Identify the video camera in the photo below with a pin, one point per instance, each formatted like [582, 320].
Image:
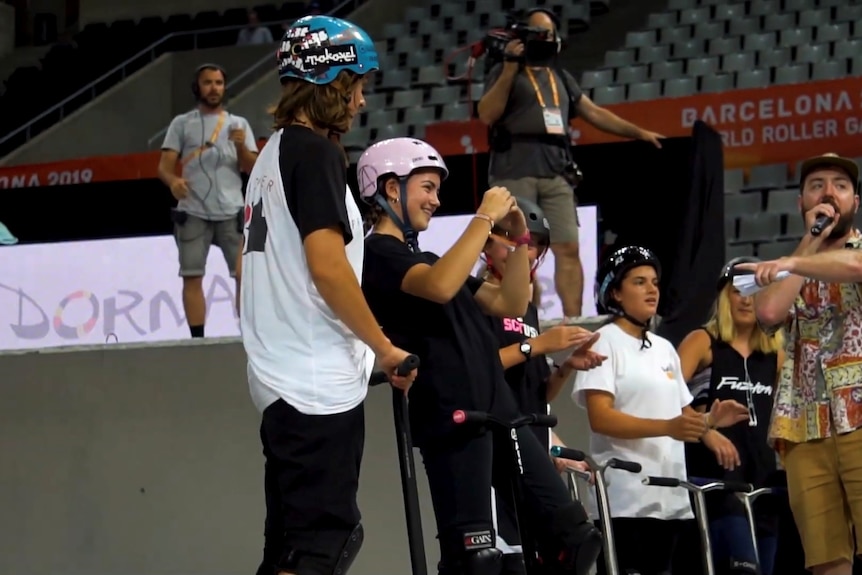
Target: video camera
[516, 28]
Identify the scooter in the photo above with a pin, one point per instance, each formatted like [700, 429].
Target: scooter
[510, 427]
[409, 489]
[748, 500]
[601, 486]
[698, 487]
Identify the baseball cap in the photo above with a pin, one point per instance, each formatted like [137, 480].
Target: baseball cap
[830, 160]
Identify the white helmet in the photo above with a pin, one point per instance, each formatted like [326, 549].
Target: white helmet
[399, 157]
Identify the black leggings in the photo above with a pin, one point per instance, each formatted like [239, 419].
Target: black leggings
[461, 470]
[644, 545]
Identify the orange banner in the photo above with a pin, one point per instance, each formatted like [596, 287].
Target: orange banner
[84, 170]
[81, 171]
[762, 126]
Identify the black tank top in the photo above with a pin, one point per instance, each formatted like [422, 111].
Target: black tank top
[750, 381]
[528, 380]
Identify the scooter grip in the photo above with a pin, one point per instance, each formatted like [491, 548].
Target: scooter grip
[461, 416]
[630, 466]
[568, 453]
[661, 481]
[544, 420]
[738, 486]
[410, 363]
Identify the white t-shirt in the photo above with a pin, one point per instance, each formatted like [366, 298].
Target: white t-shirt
[645, 383]
[297, 348]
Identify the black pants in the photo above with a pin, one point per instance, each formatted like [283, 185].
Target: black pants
[311, 478]
[645, 546]
[461, 469]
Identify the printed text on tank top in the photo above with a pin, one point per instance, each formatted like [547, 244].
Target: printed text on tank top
[517, 325]
[746, 386]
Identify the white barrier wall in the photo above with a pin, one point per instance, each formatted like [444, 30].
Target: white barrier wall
[145, 460]
[83, 293]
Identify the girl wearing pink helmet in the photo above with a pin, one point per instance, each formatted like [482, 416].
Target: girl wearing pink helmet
[433, 306]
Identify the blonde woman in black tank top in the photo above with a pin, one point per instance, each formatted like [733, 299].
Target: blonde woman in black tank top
[732, 358]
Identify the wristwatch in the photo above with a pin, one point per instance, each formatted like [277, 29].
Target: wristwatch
[526, 349]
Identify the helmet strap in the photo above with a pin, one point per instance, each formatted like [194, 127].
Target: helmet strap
[402, 221]
[645, 341]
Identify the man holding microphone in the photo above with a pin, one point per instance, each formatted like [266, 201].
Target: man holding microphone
[212, 147]
[817, 416]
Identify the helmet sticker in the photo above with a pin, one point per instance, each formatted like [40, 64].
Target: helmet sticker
[307, 52]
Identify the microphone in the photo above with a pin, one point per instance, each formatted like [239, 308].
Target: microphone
[821, 223]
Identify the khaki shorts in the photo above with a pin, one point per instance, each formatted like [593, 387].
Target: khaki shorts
[824, 481]
[194, 238]
[556, 197]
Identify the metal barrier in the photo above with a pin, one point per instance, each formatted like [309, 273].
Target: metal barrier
[91, 90]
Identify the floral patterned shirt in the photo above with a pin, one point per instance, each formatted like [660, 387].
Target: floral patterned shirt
[819, 390]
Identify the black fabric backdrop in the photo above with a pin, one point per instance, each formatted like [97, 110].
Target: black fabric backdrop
[699, 241]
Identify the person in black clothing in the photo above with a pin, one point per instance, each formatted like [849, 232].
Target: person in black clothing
[434, 303]
[732, 358]
[528, 373]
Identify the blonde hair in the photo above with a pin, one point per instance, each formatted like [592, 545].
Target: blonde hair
[722, 327]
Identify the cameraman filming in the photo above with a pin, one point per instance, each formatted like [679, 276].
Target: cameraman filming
[528, 102]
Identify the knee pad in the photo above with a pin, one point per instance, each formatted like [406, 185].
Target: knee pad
[578, 542]
[487, 561]
[325, 554]
[350, 550]
[513, 564]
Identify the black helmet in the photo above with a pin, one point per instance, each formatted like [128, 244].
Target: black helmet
[537, 223]
[614, 268]
[727, 273]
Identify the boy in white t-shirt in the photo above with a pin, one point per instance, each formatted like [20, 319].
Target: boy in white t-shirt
[639, 410]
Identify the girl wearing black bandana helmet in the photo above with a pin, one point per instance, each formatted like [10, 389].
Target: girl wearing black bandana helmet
[523, 350]
[639, 409]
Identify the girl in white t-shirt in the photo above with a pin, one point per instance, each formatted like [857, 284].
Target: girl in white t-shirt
[638, 406]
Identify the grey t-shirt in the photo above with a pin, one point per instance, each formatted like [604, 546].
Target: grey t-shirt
[215, 184]
[523, 116]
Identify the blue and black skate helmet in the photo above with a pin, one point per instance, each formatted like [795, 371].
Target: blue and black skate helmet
[316, 48]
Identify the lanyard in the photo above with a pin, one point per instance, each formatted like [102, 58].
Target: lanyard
[213, 137]
[538, 90]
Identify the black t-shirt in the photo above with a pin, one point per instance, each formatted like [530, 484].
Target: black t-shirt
[528, 380]
[314, 178]
[460, 363]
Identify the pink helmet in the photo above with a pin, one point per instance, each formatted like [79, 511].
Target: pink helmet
[399, 157]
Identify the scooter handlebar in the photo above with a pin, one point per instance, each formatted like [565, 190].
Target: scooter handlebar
[730, 485]
[698, 484]
[630, 466]
[462, 416]
[410, 363]
[568, 453]
[661, 481]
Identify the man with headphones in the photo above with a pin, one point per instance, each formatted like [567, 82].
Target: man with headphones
[211, 147]
[528, 103]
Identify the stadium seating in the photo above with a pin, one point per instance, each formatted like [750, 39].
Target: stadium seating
[717, 46]
[99, 48]
[423, 77]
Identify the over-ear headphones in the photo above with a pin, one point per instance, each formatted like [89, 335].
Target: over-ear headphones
[550, 14]
[196, 86]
